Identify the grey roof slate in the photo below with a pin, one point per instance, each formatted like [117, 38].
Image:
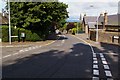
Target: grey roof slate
[91, 25]
[90, 19]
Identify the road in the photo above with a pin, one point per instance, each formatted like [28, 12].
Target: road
[67, 57]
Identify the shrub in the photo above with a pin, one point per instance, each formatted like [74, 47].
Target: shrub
[30, 36]
[74, 30]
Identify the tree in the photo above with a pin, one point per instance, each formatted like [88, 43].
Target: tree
[39, 17]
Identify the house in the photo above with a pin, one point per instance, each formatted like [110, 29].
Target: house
[112, 22]
[4, 20]
[88, 22]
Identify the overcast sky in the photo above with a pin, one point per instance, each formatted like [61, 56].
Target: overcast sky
[90, 7]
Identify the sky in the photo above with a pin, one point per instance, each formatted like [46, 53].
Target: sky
[88, 7]
[2, 5]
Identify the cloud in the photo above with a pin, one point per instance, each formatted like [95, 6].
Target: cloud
[91, 8]
[89, 0]
[2, 5]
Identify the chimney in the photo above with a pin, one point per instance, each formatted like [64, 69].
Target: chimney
[3, 12]
[105, 20]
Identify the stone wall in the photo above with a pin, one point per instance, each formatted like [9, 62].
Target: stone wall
[103, 36]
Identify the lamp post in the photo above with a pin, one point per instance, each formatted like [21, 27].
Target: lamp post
[97, 30]
[9, 22]
[97, 27]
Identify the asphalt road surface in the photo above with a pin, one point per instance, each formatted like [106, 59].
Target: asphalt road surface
[67, 57]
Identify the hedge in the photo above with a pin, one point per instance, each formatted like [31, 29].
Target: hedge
[30, 36]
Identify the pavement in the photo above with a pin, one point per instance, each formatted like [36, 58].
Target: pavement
[71, 56]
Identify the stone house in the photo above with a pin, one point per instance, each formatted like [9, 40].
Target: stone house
[88, 20]
[4, 19]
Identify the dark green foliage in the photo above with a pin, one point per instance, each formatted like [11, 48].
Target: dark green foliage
[5, 34]
[30, 36]
[38, 16]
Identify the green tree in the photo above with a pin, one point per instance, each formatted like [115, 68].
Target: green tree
[40, 17]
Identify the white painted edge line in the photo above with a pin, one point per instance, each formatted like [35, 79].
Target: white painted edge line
[7, 56]
[108, 73]
[26, 49]
[86, 42]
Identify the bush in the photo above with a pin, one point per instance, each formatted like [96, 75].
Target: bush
[5, 33]
[30, 36]
[74, 30]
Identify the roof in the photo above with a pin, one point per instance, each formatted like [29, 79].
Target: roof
[113, 19]
[3, 19]
[90, 19]
[101, 20]
[91, 25]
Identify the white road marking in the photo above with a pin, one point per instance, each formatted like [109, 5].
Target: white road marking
[106, 67]
[63, 41]
[101, 55]
[15, 53]
[95, 66]
[7, 56]
[94, 55]
[94, 58]
[76, 54]
[103, 59]
[21, 51]
[95, 72]
[26, 49]
[95, 78]
[108, 73]
[86, 43]
[109, 79]
[104, 62]
[95, 62]
[29, 48]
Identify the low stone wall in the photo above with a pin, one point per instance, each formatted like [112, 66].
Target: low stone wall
[103, 36]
